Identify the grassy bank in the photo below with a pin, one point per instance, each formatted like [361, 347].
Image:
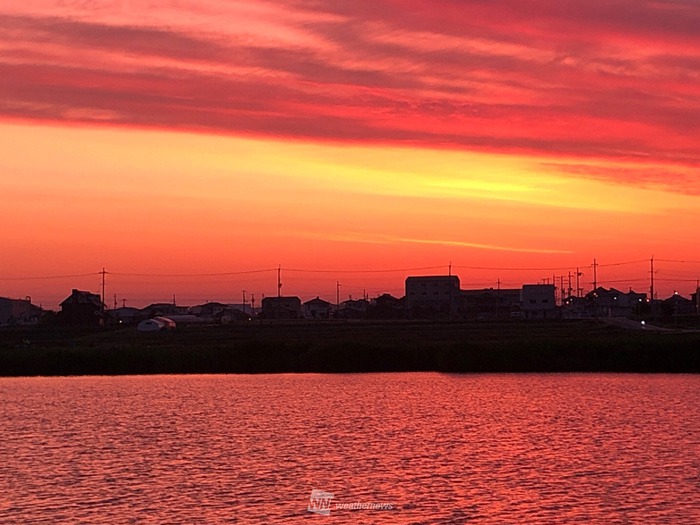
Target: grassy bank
[258, 347]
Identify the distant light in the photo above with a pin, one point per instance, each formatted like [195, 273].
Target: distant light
[643, 323]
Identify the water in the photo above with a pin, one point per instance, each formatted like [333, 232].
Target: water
[437, 448]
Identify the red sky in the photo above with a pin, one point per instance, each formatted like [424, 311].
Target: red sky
[216, 137]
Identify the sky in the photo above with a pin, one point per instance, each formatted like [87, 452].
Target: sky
[193, 147]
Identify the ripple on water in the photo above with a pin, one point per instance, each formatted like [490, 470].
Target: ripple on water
[438, 448]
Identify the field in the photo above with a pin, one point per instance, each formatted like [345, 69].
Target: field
[345, 347]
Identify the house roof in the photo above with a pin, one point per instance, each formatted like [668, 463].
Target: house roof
[82, 297]
[125, 310]
[317, 301]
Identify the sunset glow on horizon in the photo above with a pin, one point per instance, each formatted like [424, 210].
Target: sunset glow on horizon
[352, 142]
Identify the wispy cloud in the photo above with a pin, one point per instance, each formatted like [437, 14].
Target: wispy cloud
[366, 238]
[596, 79]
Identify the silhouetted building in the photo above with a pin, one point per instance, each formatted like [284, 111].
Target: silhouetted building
[18, 312]
[126, 315]
[433, 296]
[316, 309]
[386, 306]
[603, 302]
[352, 309]
[537, 301]
[677, 305]
[231, 315]
[163, 310]
[281, 308]
[209, 311]
[82, 308]
[490, 303]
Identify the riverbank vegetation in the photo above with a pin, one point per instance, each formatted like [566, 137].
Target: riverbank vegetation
[347, 347]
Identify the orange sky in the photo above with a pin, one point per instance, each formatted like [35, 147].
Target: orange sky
[227, 137]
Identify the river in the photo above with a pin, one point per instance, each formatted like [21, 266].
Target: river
[404, 448]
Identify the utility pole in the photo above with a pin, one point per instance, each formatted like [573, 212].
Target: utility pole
[651, 273]
[244, 301]
[279, 281]
[449, 269]
[115, 301]
[595, 274]
[337, 295]
[252, 305]
[103, 272]
[561, 289]
[569, 289]
[578, 284]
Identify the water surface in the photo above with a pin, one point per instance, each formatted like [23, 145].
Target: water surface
[451, 449]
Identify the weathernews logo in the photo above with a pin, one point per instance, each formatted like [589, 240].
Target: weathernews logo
[320, 503]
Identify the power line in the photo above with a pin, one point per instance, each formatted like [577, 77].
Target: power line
[46, 277]
[393, 270]
[222, 274]
[505, 269]
[678, 261]
[641, 279]
[336, 271]
[678, 280]
[624, 263]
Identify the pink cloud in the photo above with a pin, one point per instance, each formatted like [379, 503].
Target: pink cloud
[595, 79]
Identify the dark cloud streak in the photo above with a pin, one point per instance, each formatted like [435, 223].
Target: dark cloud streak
[524, 76]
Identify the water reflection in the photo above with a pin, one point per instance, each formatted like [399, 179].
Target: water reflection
[439, 448]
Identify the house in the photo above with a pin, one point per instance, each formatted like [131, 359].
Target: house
[247, 308]
[230, 315]
[489, 303]
[436, 296]
[162, 309]
[18, 312]
[82, 308]
[537, 301]
[210, 311]
[386, 306]
[678, 305]
[611, 302]
[126, 315]
[281, 308]
[352, 309]
[316, 309]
